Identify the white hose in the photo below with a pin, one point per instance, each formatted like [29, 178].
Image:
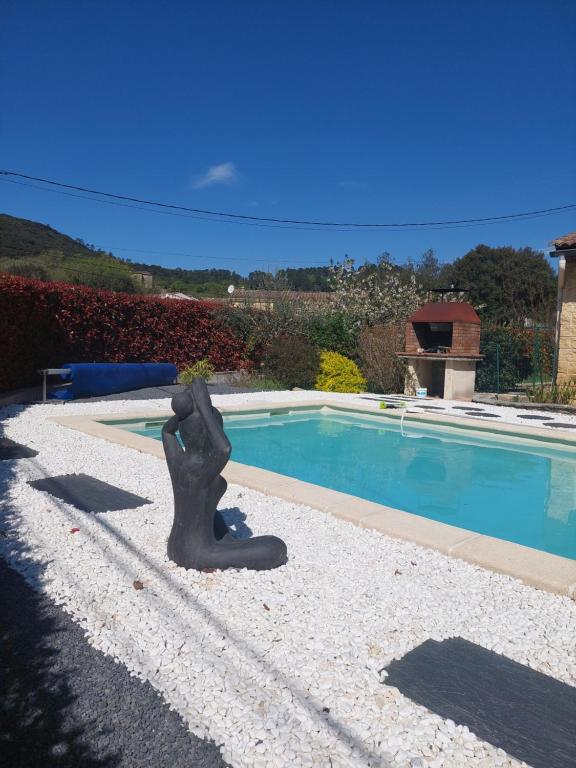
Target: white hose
[412, 437]
[404, 412]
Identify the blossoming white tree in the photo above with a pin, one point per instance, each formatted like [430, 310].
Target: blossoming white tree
[373, 294]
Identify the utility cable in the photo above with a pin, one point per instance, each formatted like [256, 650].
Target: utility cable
[222, 215]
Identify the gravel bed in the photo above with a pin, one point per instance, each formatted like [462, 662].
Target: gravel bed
[279, 668]
[65, 704]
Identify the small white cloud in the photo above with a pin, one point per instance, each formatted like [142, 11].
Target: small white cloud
[253, 203]
[224, 173]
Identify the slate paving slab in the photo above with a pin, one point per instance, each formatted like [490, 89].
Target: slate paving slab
[528, 714]
[467, 408]
[88, 493]
[9, 450]
[534, 416]
[430, 407]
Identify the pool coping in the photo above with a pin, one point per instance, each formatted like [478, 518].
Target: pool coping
[534, 567]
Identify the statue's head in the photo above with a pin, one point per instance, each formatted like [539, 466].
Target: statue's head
[183, 403]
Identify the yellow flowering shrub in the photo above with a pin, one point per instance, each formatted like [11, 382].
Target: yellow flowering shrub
[339, 374]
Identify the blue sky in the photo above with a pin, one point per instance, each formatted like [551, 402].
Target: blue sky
[356, 111]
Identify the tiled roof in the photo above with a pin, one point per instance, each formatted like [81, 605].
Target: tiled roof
[566, 241]
[445, 312]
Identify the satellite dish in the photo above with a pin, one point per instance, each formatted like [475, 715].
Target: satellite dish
[231, 289]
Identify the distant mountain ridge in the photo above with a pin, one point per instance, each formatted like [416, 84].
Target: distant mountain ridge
[32, 249]
[24, 239]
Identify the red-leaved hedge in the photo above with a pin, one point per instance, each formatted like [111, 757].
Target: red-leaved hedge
[43, 325]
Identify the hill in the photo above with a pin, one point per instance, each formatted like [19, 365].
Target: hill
[31, 249]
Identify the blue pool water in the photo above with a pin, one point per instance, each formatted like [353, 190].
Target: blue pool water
[522, 491]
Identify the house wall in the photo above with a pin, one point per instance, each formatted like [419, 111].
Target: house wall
[567, 340]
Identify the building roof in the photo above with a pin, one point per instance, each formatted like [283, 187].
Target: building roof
[566, 241]
[185, 296]
[445, 312]
[270, 295]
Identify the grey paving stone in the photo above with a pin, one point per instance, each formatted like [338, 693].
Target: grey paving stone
[467, 408]
[533, 416]
[529, 715]
[430, 407]
[88, 493]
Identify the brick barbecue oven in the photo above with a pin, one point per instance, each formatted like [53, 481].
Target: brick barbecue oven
[442, 348]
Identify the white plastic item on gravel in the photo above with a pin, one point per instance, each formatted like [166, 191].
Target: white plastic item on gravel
[280, 668]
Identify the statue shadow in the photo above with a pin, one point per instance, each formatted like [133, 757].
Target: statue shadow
[235, 520]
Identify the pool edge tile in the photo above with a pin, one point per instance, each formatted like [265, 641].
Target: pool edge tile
[408, 527]
[534, 567]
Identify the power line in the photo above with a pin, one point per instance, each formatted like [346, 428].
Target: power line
[109, 249]
[220, 215]
[234, 222]
[167, 213]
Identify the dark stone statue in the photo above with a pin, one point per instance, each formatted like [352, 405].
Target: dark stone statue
[199, 537]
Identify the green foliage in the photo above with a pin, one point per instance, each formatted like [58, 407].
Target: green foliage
[195, 282]
[339, 374]
[98, 270]
[291, 360]
[263, 383]
[561, 394]
[30, 269]
[332, 331]
[427, 271]
[300, 279]
[506, 285]
[201, 369]
[307, 278]
[503, 347]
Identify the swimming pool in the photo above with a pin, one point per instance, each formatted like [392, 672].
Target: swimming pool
[520, 490]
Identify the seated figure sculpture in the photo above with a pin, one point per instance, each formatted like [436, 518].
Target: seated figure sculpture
[199, 537]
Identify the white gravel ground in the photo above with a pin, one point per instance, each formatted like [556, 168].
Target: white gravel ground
[280, 668]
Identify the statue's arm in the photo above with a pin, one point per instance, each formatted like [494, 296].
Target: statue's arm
[221, 448]
[170, 442]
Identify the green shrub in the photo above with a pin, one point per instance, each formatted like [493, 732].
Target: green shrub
[332, 331]
[339, 374]
[506, 362]
[560, 394]
[291, 360]
[202, 369]
[262, 383]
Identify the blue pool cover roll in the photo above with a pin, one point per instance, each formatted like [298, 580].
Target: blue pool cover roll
[92, 379]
